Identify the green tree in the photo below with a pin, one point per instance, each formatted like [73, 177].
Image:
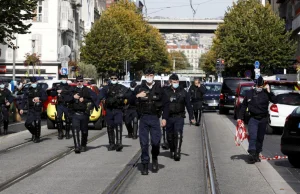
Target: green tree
[253, 32]
[181, 62]
[121, 34]
[87, 70]
[13, 13]
[207, 61]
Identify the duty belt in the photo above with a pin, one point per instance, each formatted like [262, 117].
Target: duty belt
[176, 115]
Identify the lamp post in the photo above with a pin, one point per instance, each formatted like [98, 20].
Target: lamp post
[33, 46]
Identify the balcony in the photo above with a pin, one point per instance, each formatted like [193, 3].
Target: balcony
[67, 25]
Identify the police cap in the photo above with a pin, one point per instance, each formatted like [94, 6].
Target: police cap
[149, 71]
[113, 73]
[174, 77]
[33, 79]
[133, 84]
[260, 81]
[79, 77]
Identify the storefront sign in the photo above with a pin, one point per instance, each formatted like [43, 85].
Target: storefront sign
[2, 68]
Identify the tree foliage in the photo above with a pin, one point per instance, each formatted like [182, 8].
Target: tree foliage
[87, 70]
[181, 62]
[207, 61]
[252, 32]
[122, 34]
[13, 13]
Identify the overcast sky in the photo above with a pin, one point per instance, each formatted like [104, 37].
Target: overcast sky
[182, 8]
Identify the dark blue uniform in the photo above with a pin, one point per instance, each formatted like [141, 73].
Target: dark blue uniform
[114, 95]
[131, 117]
[196, 94]
[34, 111]
[81, 114]
[179, 100]
[257, 103]
[64, 102]
[150, 109]
[5, 96]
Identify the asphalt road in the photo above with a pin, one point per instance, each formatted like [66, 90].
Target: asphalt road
[271, 149]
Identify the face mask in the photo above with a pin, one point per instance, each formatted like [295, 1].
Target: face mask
[149, 80]
[1, 86]
[132, 89]
[63, 81]
[175, 85]
[259, 89]
[33, 85]
[80, 86]
[113, 81]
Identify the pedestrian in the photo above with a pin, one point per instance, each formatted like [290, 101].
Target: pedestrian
[256, 101]
[114, 95]
[34, 97]
[130, 114]
[152, 102]
[6, 99]
[179, 100]
[165, 144]
[64, 95]
[196, 92]
[83, 101]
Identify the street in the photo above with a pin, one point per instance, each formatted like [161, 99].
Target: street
[51, 166]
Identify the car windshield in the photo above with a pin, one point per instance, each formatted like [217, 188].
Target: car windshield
[213, 89]
[244, 89]
[281, 87]
[231, 84]
[289, 99]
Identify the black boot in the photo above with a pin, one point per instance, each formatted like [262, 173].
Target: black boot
[178, 143]
[68, 126]
[252, 156]
[111, 138]
[31, 129]
[5, 127]
[257, 159]
[76, 139]
[170, 139]
[145, 169]
[59, 128]
[196, 115]
[119, 145]
[38, 131]
[84, 137]
[165, 144]
[154, 164]
[129, 129]
[135, 128]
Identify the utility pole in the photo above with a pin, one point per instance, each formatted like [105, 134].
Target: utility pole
[174, 62]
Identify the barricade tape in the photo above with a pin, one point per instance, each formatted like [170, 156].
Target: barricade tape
[273, 158]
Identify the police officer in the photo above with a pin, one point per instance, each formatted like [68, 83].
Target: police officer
[83, 101]
[196, 92]
[131, 116]
[115, 95]
[64, 93]
[165, 144]
[257, 102]
[6, 99]
[34, 96]
[151, 102]
[179, 100]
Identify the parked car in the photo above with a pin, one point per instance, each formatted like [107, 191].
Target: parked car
[212, 96]
[228, 93]
[287, 102]
[96, 120]
[278, 86]
[290, 139]
[241, 90]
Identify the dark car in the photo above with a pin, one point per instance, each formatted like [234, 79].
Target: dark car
[212, 95]
[228, 93]
[241, 90]
[290, 139]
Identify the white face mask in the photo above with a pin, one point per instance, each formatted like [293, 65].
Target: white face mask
[149, 80]
[63, 81]
[80, 86]
[33, 85]
[2, 86]
[113, 81]
[132, 89]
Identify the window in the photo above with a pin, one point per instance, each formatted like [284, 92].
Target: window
[41, 11]
[39, 14]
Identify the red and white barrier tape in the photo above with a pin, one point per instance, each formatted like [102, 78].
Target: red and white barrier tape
[273, 158]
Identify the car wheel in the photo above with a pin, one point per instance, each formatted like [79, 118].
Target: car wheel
[294, 160]
[269, 129]
[98, 124]
[50, 124]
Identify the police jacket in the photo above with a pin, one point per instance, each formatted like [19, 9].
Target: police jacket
[155, 102]
[66, 95]
[257, 103]
[114, 95]
[5, 95]
[131, 101]
[88, 102]
[179, 99]
[30, 94]
[197, 93]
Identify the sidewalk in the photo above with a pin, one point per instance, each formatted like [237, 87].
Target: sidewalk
[234, 175]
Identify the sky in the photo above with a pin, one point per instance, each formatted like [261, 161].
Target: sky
[182, 9]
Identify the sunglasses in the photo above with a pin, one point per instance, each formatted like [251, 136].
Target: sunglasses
[113, 78]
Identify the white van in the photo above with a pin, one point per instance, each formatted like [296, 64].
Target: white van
[164, 81]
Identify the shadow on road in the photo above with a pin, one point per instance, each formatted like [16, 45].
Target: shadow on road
[140, 166]
[240, 157]
[167, 154]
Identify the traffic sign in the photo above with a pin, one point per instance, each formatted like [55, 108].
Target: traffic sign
[256, 64]
[248, 73]
[64, 71]
[64, 64]
[257, 73]
[64, 51]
